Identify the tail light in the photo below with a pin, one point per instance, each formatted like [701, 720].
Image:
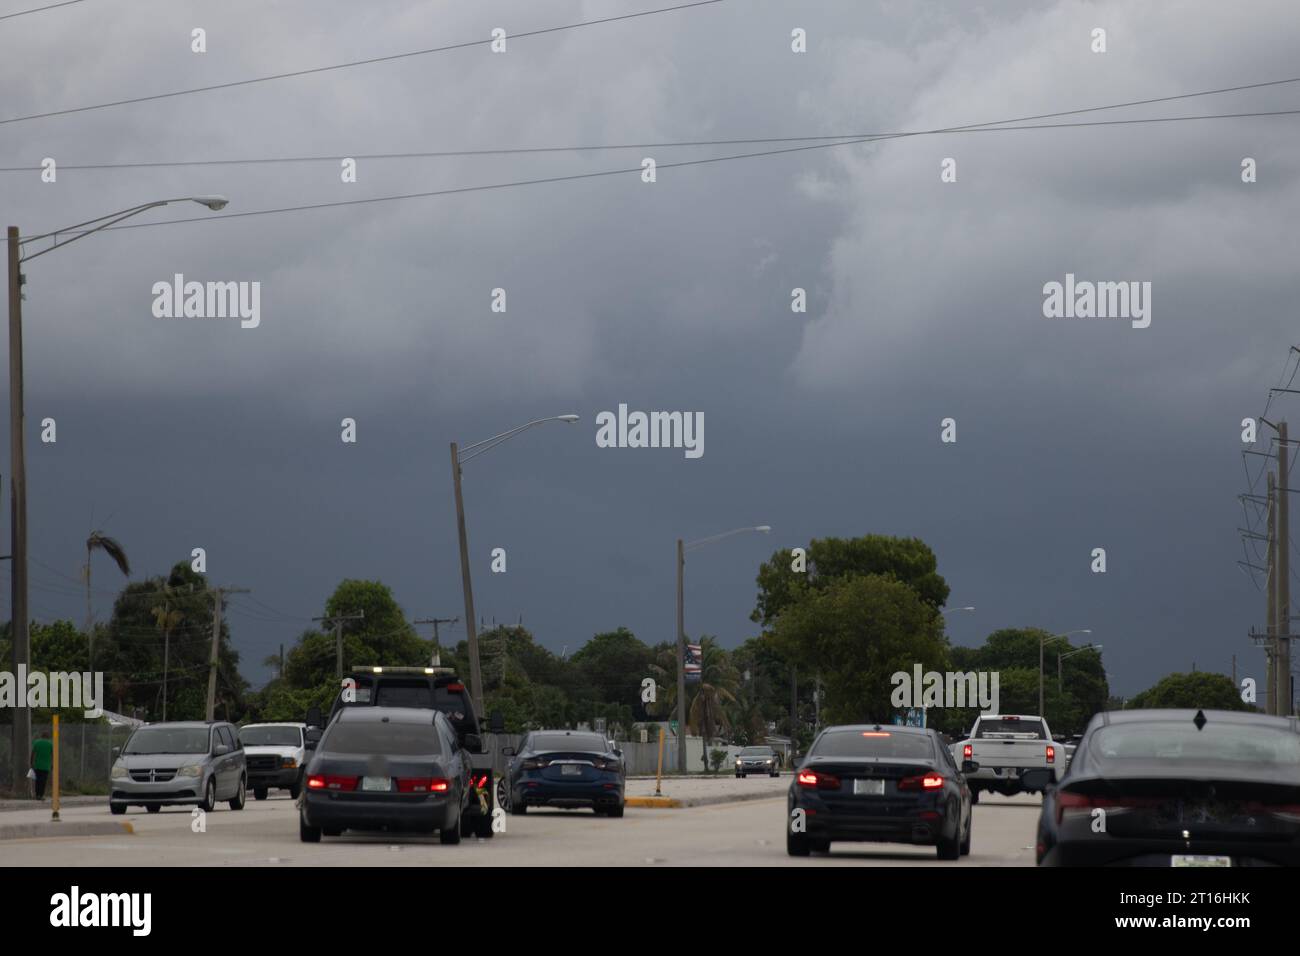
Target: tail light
[1082, 803]
[610, 764]
[967, 752]
[457, 688]
[813, 780]
[481, 782]
[536, 763]
[930, 781]
[422, 785]
[319, 781]
[1051, 754]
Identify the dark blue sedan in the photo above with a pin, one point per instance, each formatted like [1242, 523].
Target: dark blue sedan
[566, 768]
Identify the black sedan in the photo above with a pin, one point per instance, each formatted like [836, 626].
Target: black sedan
[883, 784]
[385, 768]
[1177, 788]
[566, 768]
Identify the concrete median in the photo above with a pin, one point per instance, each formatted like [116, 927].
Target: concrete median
[64, 828]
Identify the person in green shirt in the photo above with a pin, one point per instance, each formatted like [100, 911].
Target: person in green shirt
[42, 761]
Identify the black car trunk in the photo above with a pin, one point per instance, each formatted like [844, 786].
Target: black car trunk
[870, 783]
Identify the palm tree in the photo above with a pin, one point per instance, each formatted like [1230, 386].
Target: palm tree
[98, 541]
[707, 713]
[167, 619]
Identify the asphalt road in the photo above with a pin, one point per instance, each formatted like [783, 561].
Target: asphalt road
[749, 833]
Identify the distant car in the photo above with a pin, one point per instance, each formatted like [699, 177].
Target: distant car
[275, 755]
[1177, 788]
[884, 784]
[386, 768]
[566, 768]
[758, 760]
[179, 763]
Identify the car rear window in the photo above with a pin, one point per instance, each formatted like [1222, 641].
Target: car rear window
[583, 743]
[878, 743]
[1003, 728]
[377, 737]
[1167, 743]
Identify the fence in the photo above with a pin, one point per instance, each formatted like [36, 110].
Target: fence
[85, 754]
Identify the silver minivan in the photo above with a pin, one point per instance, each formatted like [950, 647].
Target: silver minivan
[183, 762]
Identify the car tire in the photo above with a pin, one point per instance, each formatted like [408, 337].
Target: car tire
[240, 797]
[950, 849]
[307, 834]
[209, 802]
[776, 773]
[154, 807]
[974, 796]
[965, 844]
[117, 809]
[294, 791]
[259, 793]
[737, 776]
[614, 811]
[450, 836]
[518, 809]
[796, 844]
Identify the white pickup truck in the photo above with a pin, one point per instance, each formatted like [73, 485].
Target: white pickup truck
[1005, 746]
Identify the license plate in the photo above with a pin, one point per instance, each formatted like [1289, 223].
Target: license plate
[570, 770]
[376, 783]
[869, 788]
[1189, 860]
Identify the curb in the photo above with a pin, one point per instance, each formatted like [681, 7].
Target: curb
[78, 800]
[30, 831]
[673, 803]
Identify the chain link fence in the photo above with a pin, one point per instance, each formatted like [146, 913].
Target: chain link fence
[85, 755]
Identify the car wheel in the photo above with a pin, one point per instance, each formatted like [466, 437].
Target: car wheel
[240, 796]
[450, 836]
[307, 834]
[614, 811]
[503, 793]
[209, 797]
[154, 807]
[518, 809]
[950, 849]
[117, 809]
[259, 793]
[796, 844]
[965, 844]
[974, 796]
[737, 776]
[776, 773]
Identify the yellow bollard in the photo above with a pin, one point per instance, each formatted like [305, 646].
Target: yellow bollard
[54, 770]
[659, 774]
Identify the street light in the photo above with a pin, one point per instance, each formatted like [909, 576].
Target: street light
[954, 610]
[1060, 684]
[458, 459]
[1042, 642]
[681, 633]
[22, 648]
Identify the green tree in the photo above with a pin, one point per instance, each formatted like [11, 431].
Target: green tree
[855, 633]
[1200, 690]
[612, 666]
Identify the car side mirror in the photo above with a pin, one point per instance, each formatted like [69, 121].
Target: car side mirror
[969, 766]
[497, 723]
[617, 752]
[508, 751]
[220, 750]
[473, 743]
[311, 738]
[117, 752]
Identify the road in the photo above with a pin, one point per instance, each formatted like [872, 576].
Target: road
[749, 834]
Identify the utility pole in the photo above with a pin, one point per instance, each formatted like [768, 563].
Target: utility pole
[219, 595]
[280, 673]
[794, 706]
[681, 663]
[471, 634]
[436, 659]
[337, 623]
[22, 648]
[1283, 544]
[1270, 617]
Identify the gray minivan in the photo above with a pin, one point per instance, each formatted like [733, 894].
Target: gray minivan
[182, 762]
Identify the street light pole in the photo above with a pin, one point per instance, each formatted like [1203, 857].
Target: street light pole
[1042, 643]
[19, 620]
[458, 458]
[681, 632]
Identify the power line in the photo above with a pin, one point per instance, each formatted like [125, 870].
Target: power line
[52, 6]
[354, 63]
[456, 190]
[611, 147]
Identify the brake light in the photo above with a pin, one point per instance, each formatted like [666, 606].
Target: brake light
[1051, 754]
[967, 752]
[818, 781]
[1065, 800]
[930, 781]
[328, 782]
[536, 763]
[456, 688]
[422, 785]
[875, 733]
[481, 782]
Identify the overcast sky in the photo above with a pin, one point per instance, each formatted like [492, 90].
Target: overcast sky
[925, 301]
